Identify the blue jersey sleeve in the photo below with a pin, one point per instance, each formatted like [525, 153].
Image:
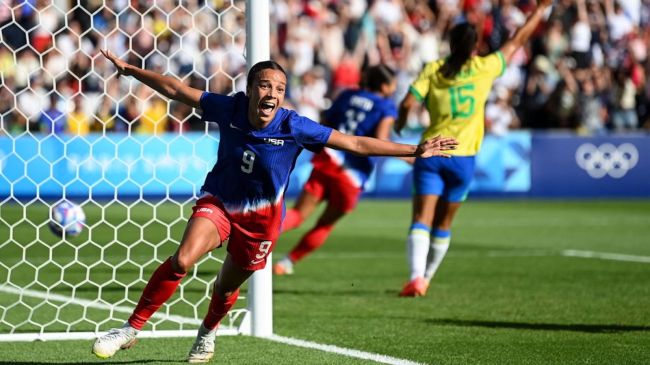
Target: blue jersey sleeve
[216, 107]
[390, 109]
[309, 134]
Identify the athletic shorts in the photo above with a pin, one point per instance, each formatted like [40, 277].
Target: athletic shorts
[248, 252]
[448, 178]
[337, 189]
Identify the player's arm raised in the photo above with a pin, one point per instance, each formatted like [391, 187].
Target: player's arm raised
[522, 34]
[168, 86]
[367, 146]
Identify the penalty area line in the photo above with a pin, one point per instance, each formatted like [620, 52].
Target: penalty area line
[382, 359]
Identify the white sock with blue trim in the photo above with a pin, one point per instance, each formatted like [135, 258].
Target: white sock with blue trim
[439, 245]
[417, 248]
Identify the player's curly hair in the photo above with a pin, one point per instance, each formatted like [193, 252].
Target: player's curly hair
[462, 41]
[262, 65]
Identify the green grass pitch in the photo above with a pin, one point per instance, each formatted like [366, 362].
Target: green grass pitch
[505, 294]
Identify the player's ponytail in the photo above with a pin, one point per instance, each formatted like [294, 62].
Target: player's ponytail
[375, 76]
[462, 40]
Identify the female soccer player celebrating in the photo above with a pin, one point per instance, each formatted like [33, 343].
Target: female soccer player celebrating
[340, 177]
[455, 90]
[242, 199]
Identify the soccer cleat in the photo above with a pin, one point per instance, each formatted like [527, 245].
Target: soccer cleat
[203, 348]
[283, 267]
[116, 339]
[415, 288]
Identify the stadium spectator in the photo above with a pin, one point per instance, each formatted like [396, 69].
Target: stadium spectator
[78, 121]
[500, 116]
[104, 116]
[623, 102]
[405, 34]
[16, 24]
[309, 94]
[455, 90]
[53, 120]
[619, 23]
[183, 120]
[540, 85]
[32, 101]
[127, 116]
[347, 73]
[561, 104]
[154, 117]
[28, 65]
[581, 37]
[593, 111]
[339, 178]
[242, 196]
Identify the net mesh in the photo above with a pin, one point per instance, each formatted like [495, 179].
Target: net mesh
[70, 129]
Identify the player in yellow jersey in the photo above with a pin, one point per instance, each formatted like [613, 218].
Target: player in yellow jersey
[455, 90]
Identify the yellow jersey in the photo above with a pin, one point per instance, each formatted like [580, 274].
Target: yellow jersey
[78, 123]
[154, 119]
[457, 106]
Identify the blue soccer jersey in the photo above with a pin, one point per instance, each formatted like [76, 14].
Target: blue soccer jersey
[358, 113]
[253, 166]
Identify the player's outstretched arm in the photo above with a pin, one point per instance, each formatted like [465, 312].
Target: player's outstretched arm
[522, 34]
[166, 85]
[367, 146]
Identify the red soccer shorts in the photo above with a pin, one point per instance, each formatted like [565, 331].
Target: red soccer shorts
[248, 252]
[336, 188]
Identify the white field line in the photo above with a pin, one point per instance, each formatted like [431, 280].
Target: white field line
[606, 256]
[491, 254]
[85, 336]
[461, 254]
[382, 359]
[90, 303]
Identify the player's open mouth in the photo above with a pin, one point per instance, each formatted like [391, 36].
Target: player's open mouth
[267, 108]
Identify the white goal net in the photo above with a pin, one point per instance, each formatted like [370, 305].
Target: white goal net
[71, 130]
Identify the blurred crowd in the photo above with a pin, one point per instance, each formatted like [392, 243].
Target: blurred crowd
[585, 69]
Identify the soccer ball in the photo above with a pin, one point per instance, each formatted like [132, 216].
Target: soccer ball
[67, 217]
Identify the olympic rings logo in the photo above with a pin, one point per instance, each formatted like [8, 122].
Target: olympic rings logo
[607, 159]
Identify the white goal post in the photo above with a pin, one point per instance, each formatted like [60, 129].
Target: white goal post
[135, 185]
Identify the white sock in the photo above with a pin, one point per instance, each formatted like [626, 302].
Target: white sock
[286, 261]
[417, 247]
[127, 325]
[439, 247]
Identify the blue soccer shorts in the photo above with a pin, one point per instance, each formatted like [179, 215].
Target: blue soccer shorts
[448, 178]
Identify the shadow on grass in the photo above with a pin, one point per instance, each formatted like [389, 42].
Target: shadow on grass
[589, 328]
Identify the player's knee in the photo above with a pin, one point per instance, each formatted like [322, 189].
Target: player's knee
[182, 263]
